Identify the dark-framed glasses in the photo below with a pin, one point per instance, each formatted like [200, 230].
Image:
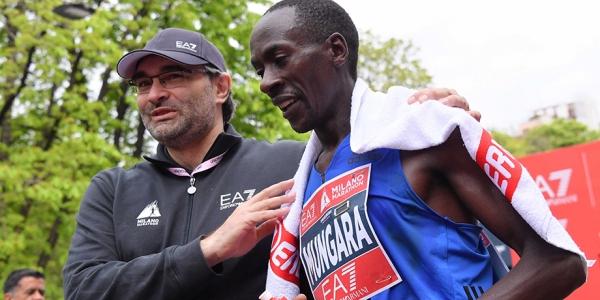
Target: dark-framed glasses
[169, 80]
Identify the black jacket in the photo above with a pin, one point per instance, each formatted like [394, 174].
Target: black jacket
[138, 230]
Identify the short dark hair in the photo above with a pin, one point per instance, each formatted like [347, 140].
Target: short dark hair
[15, 276]
[321, 18]
[228, 107]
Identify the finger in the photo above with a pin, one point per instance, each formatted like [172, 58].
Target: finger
[436, 94]
[264, 218]
[416, 96]
[412, 99]
[271, 203]
[272, 191]
[300, 297]
[420, 96]
[266, 228]
[431, 94]
[475, 114]
[456, 101]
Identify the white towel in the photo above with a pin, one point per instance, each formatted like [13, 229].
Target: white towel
[381, 120]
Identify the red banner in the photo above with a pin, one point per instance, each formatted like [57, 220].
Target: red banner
[569, 178]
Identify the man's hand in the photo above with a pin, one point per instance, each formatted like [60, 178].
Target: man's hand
[240, 232]
[447, 97]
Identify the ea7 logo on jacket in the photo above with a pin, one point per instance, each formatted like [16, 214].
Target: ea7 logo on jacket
[185, 45]
[149, 216]
[235, 199]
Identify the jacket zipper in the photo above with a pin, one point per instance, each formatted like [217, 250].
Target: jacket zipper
[191, 191]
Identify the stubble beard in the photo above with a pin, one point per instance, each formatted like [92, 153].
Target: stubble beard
[196, 117]
[305, 123]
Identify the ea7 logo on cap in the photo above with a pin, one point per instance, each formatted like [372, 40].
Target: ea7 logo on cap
[185, 45]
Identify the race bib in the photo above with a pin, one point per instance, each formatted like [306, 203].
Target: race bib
[342, 256]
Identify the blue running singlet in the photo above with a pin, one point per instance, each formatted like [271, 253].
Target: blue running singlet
[435, 257]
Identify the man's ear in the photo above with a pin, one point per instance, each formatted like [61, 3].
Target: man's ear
[339, 49]
[223, 84]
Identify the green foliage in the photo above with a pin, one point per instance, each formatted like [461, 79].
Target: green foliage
[560, 133]
[65, 114]
[515, 146]
[386, 63]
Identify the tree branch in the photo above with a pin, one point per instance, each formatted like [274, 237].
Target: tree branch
[122, 108]
[139, 144]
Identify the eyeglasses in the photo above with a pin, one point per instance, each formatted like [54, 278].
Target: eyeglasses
[169, 80]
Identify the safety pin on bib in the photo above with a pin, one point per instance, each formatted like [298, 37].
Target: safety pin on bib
[345, 206]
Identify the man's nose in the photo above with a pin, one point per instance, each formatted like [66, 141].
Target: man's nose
[270, 82]
[157, 91]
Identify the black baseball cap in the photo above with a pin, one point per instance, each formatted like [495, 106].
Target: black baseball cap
[183, 46]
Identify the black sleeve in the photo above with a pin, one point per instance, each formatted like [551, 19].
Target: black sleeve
[94, 269]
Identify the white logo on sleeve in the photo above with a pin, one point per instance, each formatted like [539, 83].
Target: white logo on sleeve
[150, 214]
[186, 45]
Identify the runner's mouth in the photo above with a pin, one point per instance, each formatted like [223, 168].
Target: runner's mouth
[286, 105]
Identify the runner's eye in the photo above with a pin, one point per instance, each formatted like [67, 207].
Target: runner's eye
[280, 60]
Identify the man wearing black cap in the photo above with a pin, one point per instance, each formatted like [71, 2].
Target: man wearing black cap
[145, 233]
[184, 224]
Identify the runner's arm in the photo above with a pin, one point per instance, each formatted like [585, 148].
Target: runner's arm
[544, 271]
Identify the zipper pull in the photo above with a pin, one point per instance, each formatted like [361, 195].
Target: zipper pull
[192, 189]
